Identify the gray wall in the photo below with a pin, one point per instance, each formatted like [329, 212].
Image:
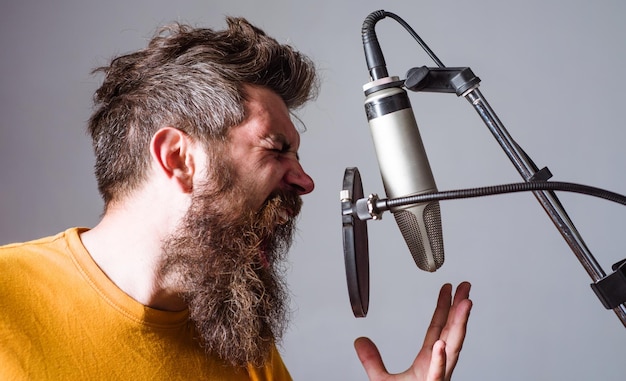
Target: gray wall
[547, 68]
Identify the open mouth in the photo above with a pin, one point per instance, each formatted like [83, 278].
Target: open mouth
[280, 218]
[276, 221]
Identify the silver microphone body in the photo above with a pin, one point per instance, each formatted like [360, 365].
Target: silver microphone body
[405, 169]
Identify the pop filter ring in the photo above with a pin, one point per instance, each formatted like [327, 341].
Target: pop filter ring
[355, 244]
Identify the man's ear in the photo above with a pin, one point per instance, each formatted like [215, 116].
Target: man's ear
[173, 153]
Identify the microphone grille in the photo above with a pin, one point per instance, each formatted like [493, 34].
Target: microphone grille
[429, 255]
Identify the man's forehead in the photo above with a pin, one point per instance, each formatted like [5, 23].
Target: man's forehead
[271, 116]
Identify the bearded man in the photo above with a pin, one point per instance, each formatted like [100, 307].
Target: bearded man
[197, 163]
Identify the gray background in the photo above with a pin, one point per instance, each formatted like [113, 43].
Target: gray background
[550, 69]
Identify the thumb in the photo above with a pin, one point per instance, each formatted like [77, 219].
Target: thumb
[370, 358]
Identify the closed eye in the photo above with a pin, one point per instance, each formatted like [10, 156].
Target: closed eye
[280, 145]
[284, 149]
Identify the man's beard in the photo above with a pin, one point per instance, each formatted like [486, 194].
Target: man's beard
[227, 261]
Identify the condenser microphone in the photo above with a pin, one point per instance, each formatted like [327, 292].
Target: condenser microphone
[402, 160]
[405, 169]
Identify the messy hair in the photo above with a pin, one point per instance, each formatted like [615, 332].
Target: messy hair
[190, 78]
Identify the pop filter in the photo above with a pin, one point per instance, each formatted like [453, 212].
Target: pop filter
[355, 244]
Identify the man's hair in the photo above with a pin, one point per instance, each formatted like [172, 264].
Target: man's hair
[190, 78]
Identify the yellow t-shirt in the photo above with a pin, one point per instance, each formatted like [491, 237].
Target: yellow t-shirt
[61, 318]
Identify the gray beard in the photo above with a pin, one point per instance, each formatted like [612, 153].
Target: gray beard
[229, 268]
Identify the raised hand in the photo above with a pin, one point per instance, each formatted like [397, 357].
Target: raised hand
[441, 347]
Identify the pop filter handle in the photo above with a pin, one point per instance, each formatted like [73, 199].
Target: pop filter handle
[611, 289]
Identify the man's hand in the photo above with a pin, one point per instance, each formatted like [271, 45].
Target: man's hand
[442, 344]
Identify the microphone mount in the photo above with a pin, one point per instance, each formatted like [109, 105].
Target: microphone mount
[611, 289]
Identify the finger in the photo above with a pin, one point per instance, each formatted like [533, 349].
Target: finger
[462, 292]
[456, 338]
[440, 316]
[458, 313]
[370, 358]
[437, 368]
[457, 325]
[455, 331]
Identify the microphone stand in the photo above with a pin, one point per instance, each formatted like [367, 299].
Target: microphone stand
[611, 289]
[547, 199]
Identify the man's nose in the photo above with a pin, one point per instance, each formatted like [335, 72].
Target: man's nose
[298, 180]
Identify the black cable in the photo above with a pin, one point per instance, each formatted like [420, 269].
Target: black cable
[417, 38]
